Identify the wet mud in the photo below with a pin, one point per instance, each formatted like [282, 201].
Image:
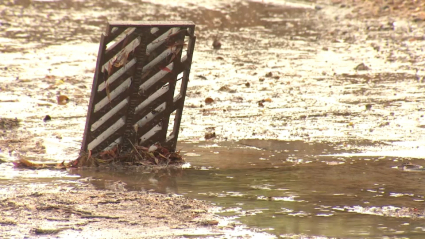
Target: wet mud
[329, 92]
[79, 210]
[283, 72]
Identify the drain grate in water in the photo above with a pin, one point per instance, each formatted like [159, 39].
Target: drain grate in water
[140, 84]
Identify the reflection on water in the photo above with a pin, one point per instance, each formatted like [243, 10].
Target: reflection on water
[292, 192]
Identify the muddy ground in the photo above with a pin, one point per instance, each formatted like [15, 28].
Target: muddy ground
[344, 72]
[81, 211]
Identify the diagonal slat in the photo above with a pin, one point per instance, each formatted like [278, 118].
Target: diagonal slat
[135, 79]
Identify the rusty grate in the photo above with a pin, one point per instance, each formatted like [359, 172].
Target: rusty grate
[139, 85]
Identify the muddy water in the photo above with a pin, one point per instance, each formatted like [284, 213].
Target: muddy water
[296, 191]
[299, 62]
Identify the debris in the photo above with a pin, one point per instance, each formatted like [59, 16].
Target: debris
[210, 135]
[361, 67]
[47, 118]
[42, 231]
[22, 162]
[238, 99]
[216, 44]
[209, 222]
[152, 148]
[59, 82]
[368, 106]
[261, 102]
[154, 155]
[202, 77]
[5, 221]
[410, 167]
[384, 124]
[227, 89]
[7, 123]
[62, 99]
[209, 100]
[224, 88]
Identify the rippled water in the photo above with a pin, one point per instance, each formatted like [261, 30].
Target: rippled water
[284, 188]
[287, 188]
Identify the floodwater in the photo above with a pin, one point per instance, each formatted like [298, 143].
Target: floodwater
[314, 158]
[296, 192]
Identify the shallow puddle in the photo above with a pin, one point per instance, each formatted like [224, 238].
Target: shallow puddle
[286, 188]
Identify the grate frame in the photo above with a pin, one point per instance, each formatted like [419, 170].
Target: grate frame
[140, 82]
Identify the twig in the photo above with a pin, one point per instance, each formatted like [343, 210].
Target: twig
[134, 147]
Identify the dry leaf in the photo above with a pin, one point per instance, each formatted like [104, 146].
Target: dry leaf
[121, 58]
[62, 99]
[108, 92]
[165, 69]
[209, 100]
[59, 82]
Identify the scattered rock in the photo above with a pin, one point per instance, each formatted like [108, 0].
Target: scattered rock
[361, 67]
[202, 77]
[216, 44]
[47, 118]
[210, 135]
[227, 89]
[62, 100]
[209, 222]
[368, 106]
[209, 100]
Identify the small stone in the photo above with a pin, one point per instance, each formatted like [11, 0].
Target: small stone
[210, 135]
[216, 44]
[361, 67]
[368, 106]
[47, 118]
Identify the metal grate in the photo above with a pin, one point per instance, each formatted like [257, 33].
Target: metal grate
[140, 83]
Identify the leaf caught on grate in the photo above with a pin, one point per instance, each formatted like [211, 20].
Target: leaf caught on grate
[140, 67]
